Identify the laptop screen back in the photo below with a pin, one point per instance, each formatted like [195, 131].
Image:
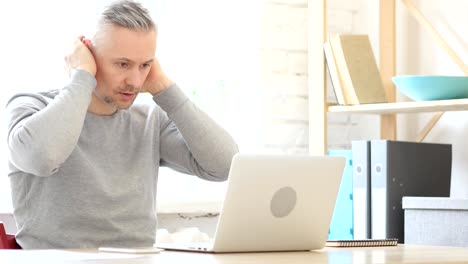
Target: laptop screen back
[278, 203]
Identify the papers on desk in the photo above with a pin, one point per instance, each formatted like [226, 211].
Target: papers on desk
[59, 256]
[144, 250]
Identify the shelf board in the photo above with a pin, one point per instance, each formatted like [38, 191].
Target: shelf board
[402, 107]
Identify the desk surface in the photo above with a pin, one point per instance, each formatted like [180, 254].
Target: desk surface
[396, 254]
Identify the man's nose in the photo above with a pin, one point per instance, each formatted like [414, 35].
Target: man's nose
[134, 78]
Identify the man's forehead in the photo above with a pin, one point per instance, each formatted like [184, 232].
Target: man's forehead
[127, 45]
[125, 59]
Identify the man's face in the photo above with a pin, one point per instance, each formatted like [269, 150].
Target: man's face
[123, 60]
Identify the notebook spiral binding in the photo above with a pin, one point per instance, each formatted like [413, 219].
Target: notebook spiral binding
[362, 242]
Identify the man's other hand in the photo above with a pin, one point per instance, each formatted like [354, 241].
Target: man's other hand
[81, 56]
[156, 81]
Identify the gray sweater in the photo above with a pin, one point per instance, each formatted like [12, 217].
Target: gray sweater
[81, 180]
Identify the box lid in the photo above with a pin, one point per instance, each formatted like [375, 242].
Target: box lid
[442, 203]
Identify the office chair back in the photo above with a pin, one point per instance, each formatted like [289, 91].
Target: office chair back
[7, 241]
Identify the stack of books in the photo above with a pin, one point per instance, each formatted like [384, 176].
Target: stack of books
[353, 71]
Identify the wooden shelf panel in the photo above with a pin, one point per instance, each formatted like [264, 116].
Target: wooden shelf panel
[402, 107]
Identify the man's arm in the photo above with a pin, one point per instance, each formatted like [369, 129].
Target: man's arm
[42, 135]
[191, 140]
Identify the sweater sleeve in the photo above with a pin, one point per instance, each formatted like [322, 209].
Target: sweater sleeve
[191, 141]
[41, 134]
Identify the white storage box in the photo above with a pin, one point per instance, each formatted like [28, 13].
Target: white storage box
[440, 221]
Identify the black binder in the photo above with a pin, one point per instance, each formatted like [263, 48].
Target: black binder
[400, 169]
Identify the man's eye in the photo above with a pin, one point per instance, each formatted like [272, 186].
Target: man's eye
[146, 65]
[123, 65]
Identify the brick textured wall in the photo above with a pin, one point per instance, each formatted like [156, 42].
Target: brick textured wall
[284, 60]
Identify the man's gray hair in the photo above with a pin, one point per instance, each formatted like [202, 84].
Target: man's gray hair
[127, 14]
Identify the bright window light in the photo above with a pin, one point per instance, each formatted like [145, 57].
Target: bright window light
[209, 47]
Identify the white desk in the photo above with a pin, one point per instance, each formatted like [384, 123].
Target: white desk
[398, 254]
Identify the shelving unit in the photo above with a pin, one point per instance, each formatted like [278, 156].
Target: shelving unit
[318, 106]
[402, 107]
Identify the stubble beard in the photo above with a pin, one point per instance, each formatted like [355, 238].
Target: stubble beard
[110, 100]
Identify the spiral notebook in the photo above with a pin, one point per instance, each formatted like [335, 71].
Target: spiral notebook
[363, 242]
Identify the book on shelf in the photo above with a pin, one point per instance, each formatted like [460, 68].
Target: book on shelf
[359, 75]
[362, 242]
[333, 73]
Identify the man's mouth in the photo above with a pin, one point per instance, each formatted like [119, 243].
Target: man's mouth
[127, 96]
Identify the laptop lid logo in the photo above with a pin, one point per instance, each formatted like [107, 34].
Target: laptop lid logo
[283, 202]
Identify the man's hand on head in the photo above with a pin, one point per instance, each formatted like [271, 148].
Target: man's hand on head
[156, 81]
[81, 56]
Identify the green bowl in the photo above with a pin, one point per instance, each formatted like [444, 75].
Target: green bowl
[432, 87]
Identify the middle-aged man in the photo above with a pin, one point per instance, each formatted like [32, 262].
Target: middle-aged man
[84, 160]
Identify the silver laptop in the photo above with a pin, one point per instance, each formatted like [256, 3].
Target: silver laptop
[275, 203]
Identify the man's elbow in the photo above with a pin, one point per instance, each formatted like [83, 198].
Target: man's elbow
[227, 161]
[224, 176]
[39, 164]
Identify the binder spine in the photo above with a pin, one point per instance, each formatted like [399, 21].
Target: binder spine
[379, 189]
[361, 189]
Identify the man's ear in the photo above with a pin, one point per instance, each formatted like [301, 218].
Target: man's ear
[88, 43]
